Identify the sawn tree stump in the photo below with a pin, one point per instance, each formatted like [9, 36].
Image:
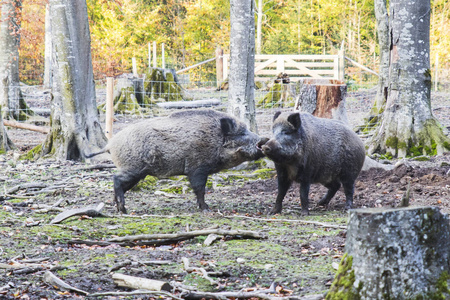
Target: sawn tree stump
[398, 253]
[323, 98]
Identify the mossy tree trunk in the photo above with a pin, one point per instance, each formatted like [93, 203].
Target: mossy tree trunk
[401, 253]
[241, 94]
[11, 98]
[408, 127]
[75, 128]
[5, 143]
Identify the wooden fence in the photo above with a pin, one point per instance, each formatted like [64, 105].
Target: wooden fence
[296, 66]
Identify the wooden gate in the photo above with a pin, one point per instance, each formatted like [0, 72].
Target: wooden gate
[296, 66]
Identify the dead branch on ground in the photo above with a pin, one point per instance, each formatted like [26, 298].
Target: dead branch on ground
[51, 279]
[90, 211]
[201, 270]
[321, 224]
[192, 234]
[133, 282]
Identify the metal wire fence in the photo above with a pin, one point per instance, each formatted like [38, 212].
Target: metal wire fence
[147, 99]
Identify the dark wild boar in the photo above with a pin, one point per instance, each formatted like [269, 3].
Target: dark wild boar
[194, 143]
[310, 150]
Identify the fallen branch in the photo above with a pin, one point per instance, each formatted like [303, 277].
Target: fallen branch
[12, 123]
[31, 185]
[89, 211]
[133, 293]
[133, 282]
[51, 279]
[244, 295]
[201, 270]
[292, 221]
[153, 243]
[97, 167]
[191, 234]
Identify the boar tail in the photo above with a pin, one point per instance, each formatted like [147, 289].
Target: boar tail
[105, 149]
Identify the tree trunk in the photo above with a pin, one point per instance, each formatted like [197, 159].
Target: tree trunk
[259, 27]
[48, 50]
[382, 18]
[9, 58]
[241, 93]
[75, 128]
[5, 143]
[401, 253]
[322, 98]
[408, 126]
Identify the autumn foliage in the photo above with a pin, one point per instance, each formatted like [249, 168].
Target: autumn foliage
[191, 31]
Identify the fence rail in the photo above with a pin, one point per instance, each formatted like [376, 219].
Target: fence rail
[296, 66]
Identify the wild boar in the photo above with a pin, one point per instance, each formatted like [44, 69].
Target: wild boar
[194, 143]
[310, 150]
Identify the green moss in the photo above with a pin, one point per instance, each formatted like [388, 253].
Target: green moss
[441, 292]
[32, 154]
[342, 287]
[392, 142]
[147, 184]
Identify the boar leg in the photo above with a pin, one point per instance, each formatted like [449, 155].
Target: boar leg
[198, 183]
[284, 183]
[349, 189]
[304, 194]
[122, 183]
[333, 187]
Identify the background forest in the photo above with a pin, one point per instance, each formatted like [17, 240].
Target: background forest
[192, 29]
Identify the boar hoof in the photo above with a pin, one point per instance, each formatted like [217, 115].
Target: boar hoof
[305, 212]
[275, 211]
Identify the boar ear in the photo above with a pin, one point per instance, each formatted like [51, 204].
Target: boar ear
[277, 114]
[228, 125]
[294, 119]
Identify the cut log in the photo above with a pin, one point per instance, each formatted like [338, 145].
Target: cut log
[140, 283]
[12, 123]
[323, 98]
[398, 253]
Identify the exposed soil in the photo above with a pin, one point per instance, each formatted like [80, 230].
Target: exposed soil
[299, 256]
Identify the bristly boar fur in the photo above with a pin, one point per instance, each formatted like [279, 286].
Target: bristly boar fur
[310, 150]
[194, 143]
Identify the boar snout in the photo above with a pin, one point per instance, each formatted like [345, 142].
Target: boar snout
[261, 143]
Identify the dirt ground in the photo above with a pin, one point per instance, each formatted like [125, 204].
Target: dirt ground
[298, 255]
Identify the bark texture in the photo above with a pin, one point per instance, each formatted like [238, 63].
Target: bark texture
[75, 128]
[322, 98]
[5, 143]
[241, 93]
[9, 58]
[398, 253]
[408, 126]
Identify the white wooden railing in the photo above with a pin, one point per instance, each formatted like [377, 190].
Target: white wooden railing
[296, 66]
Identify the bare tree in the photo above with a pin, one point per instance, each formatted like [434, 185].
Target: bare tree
[9, 58]
[75, 128]
[241, 93]
[408, 126]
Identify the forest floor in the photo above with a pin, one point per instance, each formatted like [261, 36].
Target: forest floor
[296, 255]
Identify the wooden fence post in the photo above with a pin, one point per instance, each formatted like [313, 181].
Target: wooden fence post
[109, 115]
[154, 54]
[342, 62]
[149, 55]
[436, 69]
[219, 66]
[133, 62]
[163, 57]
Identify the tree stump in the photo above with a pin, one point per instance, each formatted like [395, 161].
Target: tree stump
[400, 253]
[323, 98]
